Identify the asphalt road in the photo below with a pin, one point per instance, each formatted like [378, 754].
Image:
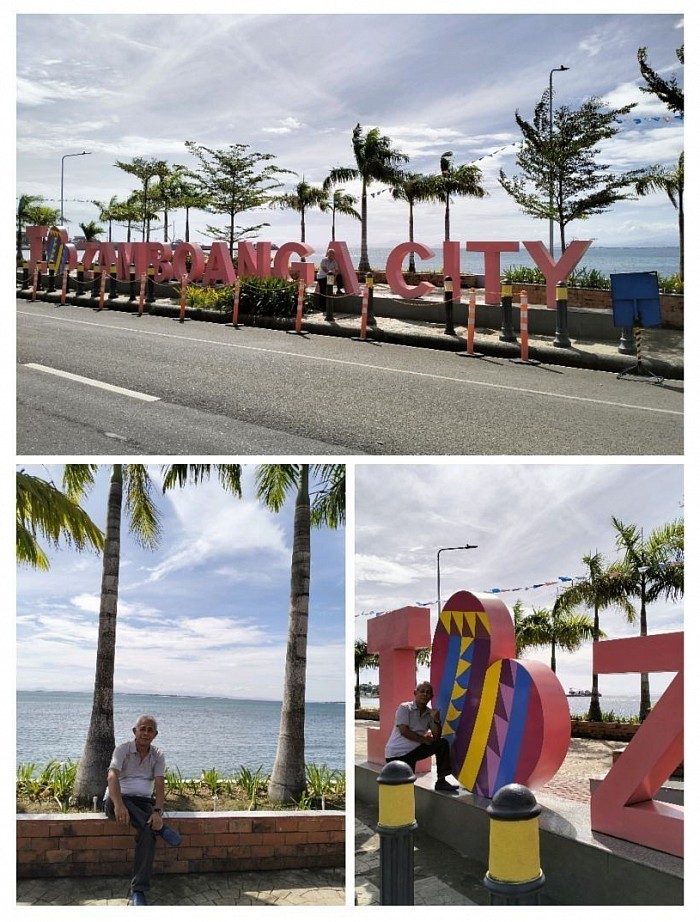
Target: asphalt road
[113, 383]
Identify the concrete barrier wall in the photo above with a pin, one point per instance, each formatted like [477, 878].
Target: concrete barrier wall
[87, 845]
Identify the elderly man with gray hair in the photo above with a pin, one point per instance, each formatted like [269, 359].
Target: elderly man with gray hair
[135, 794]
[417, 734]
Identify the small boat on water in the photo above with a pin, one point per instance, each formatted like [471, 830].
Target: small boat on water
[579, 693]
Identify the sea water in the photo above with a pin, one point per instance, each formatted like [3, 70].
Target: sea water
[620, 705]
[195, 733]
[606, 260]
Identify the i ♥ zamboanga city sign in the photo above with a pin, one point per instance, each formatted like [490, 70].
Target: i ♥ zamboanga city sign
[260, 260]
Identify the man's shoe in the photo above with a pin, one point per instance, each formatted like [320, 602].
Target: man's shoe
[171, 836]
[138, 898]
[442, 785]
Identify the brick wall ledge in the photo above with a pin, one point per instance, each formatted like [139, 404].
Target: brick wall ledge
[88, 844]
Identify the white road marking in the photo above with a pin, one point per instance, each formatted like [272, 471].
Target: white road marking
[137, 395]
[399, 371]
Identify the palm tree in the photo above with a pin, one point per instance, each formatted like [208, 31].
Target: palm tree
[275, 482]
[303, 197]
[91, 230]
[652, 569]
[376, 161]
[128, 212]
[528, 633]
[412, 188]
[341, 203]
[543, 627]
[363, 660]
[129, 484]
[42, 508]
[670, 181]
[462, 180]
[108, 212]
[602, 587]
[26, 208]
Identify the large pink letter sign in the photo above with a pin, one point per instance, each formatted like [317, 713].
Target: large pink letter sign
[395, 636]
[506, 720]
[623, 805]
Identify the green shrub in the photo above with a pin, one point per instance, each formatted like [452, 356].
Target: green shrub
[527, 275]
[267, 297]
[671, 284]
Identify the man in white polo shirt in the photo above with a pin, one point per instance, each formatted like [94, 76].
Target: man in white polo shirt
[135, 794]
[417, 734]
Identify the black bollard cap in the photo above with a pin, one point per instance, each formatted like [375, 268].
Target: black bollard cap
[396, 772]
[513, 802]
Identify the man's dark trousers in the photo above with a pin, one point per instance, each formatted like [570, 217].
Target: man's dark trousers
[438, 748]
[140, 810]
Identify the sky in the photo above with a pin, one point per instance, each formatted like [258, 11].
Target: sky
[204, 614]
[531, 523]
[294, 85]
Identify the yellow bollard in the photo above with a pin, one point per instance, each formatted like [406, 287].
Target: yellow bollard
[397, 821]
[514, 877]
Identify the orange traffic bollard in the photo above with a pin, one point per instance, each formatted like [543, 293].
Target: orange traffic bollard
[524, 341]
[471, 325]
[142, 293]
[183, 297]
[523, 326]
[300, 306]
[365, 312]
[236, 302]
[103, 289]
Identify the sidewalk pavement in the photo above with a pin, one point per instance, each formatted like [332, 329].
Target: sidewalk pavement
[662, 350]
[442, 877]
[304, 887]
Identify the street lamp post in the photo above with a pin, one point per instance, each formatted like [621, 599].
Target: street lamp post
[83, 153]
[551, 173]
[461, 547]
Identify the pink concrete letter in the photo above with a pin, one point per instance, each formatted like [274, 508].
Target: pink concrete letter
[395, 636]
[555, 272]
[347, 270]
[492, 250]
[281, 268]
[394, 272]
[197, 261]
[35, 236]
[623, 805]
[452, 266]
[254, 259]
[219, 266]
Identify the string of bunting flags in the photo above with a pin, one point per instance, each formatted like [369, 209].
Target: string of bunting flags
[495, 590]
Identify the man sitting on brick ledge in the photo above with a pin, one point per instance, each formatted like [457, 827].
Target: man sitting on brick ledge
[417, 734]
[136, 770]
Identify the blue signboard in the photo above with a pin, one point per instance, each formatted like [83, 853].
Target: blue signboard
[635, 299]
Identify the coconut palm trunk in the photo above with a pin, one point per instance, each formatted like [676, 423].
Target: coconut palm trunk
[288, 779]
[91, 778]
